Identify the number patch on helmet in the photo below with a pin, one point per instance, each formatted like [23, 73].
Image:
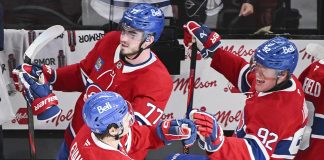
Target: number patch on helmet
[267, 48]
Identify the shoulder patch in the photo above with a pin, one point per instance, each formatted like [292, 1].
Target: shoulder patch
[99, 63]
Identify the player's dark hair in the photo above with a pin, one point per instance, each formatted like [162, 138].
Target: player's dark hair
[106, 133]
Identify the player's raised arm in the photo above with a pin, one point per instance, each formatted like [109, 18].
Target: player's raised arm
[207, 41]
[233, 67]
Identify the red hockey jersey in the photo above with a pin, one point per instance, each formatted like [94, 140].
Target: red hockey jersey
[146, 86]
[312, 79]
[273, 122]
[86, 146]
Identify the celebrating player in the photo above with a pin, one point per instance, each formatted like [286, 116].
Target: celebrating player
[122, 62]
[110, 132]
[275, 114]
[312, 79]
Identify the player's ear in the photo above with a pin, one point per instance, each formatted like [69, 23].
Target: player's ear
[282, 76]
[113, 131]
[148, 41]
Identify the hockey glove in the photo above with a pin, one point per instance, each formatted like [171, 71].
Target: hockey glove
[182, 129]
[207, 41]
[40, 96]
[210, 134]
[180, 156]
[42, 74]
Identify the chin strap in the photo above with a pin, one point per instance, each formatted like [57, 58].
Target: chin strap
[283, 85]
[118, 136]
[140, 49]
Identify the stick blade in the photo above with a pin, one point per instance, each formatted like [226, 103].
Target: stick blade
[45, 37]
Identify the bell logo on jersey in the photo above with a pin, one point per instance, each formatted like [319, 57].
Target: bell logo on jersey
[102, 109]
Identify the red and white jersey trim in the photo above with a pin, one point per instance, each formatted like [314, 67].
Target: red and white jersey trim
[106, 146]
[260, 145]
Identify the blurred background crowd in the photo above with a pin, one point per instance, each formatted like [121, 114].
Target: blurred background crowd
[226, 16]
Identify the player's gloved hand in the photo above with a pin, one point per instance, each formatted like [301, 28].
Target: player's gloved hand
[40, 96]
[210, 134]
[181, 129]
[42, 73]
[207, 41]
[181, 156]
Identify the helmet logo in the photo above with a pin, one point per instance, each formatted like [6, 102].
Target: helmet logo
[102, 109]
[288, 50]
[267, 48]
[135, 11]
[156, 12]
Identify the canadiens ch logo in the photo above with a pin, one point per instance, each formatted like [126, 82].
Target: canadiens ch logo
[99, 63]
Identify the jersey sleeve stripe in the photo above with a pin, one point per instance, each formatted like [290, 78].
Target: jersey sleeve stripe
[70, 128]
[243, 84]
[319, 115]
[282, 149]
[249, 149]
[282, 156]
[318, 128]
[141, 119]
[128, 143]
[258, 150]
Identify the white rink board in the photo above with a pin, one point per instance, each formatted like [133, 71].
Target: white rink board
[212, 93]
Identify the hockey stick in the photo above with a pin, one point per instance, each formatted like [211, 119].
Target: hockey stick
[191, 88]
[29, 55]
[315, 50]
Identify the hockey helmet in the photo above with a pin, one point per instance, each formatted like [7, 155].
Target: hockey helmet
[146, 18]
[105, 108]
[277, 53]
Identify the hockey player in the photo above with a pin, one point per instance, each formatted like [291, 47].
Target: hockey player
[275, 114]
[312, 79]
[110, 132]
[122, 62]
